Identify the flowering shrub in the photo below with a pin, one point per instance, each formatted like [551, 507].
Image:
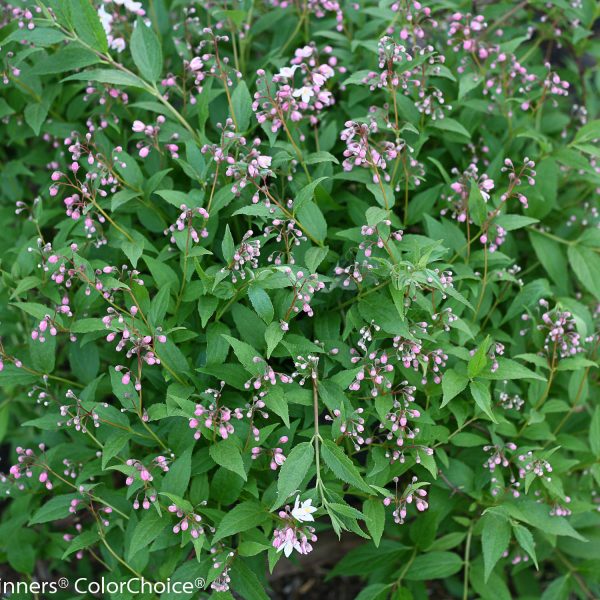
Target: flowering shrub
[281, 272]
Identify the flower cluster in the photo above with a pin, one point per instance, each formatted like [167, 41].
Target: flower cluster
[413, 492]
[214, 417]
[185, 221]
[279, 100]
[26, 461]
[292, 534]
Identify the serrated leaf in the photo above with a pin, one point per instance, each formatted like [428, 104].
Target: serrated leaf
[242, 106]
[453, 383]
[54, 509]
[525, 539]
[146, 51]
[178, 477]
[261, 302]
[242, 517]
[483, 398]
[146, 531]
[479, 359]
[87, 24]
[586, 264]
[228, 455]
[275, 401]
[293, 472]
[495, 538]
[341, 466]
[374, 514]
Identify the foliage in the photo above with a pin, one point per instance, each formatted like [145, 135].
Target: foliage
[284, 268]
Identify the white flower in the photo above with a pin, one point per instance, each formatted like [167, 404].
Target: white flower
[305, 93]
[130, 5]
[486, 186]
[304, 52]
[303, 511]
[289, 546]
[288, 72]
[105, 19]
[138, 126]
[264, 162]
[117, 44]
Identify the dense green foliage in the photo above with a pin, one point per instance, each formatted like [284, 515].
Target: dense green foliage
[285, 268]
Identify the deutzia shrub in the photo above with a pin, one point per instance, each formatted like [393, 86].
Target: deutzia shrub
[282, 278]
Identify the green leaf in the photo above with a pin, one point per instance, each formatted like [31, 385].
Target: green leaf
[513, 222]
[84, 540]
[132, 251]
[588, 133]
[56, 508]
[374, 515]
[43, 355]
[293, 472]
[35, 115]
[451, 126]
[483, 398]
[314, 257]
[275, 401]
[311, 218]
[261, 302]
[586, 264]
[146, 531]
[175, 197]
[343, 468]
[542, 198]
[453, 383]
[510, 369]
[468, 82]
[525, 539]
[158, 308]
[67, 58]
[245, 582]
[246, 354]
[319, 157]
[558, 589]
[307, 193]
[111, 76]
[552, 257]
[178, 477]
[477, 204]
[162, 273]
[242, 517]
[434, 565]
[228, 455]
[377, 591]
[537, 515]
[495, 538]
[87, 24]
[146, 51]
[4, 420]
[479, 359]
[228, 245]
[242, 106]
[115, 443]
[273, 335]
[594, 433]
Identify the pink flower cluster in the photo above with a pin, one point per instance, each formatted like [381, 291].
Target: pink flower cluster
[186, 221]
[275, 455]
[280, 100]
[151, 133]
[26, 460]
[215, 417]
[189, 521]
[245, 256]
[412, 493]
